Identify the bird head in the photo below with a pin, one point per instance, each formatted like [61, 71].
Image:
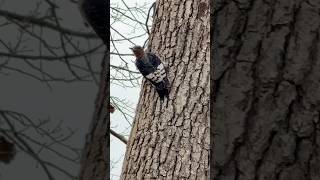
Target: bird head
[137, 51]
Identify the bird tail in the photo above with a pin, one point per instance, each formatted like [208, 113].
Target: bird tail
[163, 89]
[163, 93]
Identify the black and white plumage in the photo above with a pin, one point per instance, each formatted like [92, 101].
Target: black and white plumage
[94, 13]
[154, 70]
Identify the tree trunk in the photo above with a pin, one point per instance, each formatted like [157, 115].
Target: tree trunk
[95, 156]
[266, 105]
[171, 141]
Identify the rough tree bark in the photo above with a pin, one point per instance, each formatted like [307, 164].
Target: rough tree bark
[266, 105]
[95, 156]
[172, 141]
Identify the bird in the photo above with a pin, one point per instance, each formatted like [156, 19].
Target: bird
[151, 67]
[94, 13]
[7, 150]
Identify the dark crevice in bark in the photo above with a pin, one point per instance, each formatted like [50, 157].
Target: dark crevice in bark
[263, 155]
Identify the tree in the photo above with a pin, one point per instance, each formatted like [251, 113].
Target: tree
[266, 90]
[171, 140]
[95, 155]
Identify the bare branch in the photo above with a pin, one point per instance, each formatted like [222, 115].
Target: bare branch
[120, 137]
[42, 23]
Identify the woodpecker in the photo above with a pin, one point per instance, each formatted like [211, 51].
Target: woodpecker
[94, 13]
[151, 67]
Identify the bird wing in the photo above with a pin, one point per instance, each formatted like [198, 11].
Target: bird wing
[158, 75]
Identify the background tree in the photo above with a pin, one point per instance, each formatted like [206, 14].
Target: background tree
[171, 141]
[266, 90]
[41, 44]
[95, 155]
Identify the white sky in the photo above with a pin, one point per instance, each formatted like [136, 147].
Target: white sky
[118, 122]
